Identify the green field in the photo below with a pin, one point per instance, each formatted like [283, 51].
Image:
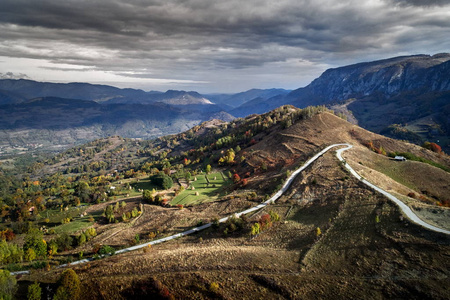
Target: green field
[76, 224]
[73, 226]
[143, 184]
[206, 192]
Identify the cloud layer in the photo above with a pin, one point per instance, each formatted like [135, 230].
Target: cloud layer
[212, 45]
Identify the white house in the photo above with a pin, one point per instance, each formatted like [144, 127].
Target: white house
[400, 158]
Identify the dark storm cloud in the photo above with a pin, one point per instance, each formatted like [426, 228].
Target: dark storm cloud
[192, 37]
[421, 2]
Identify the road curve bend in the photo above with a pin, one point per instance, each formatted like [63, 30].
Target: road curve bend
[404, 208]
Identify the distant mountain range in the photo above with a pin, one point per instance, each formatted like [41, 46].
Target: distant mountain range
[59, 114]
[403, 97]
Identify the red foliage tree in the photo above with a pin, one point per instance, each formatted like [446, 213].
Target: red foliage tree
[7, 235]
[236, 178]
[433, 147]
[265, 221]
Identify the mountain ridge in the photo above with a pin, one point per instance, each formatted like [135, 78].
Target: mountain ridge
[400, 90]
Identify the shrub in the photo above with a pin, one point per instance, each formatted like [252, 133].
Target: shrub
[274, 216]
[233, 224]
[82, 239]
[147, 196]
[255, 229]
[90, 233]
[116, 206]
[411, 195]
[106, 250]
[214, 287]
[236, 178]
[318, 231]
[39, 265]
[134, 213]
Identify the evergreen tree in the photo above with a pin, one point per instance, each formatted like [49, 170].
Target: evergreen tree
[34, 291]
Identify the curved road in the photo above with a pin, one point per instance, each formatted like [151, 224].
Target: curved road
[405, 209]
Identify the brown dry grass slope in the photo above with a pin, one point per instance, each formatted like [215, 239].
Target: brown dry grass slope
[366, 250]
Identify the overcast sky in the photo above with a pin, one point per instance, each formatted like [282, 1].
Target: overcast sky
[209, 45]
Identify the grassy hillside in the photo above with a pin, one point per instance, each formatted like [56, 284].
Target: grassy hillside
[335, 238]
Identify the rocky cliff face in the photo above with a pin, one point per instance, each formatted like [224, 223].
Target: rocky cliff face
[388, 77]
[412, 92]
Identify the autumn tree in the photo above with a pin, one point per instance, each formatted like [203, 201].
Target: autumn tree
[433, 147]
[34, 240]
[8, 285]
[69, 286]
[265, 221]
[10, 253]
